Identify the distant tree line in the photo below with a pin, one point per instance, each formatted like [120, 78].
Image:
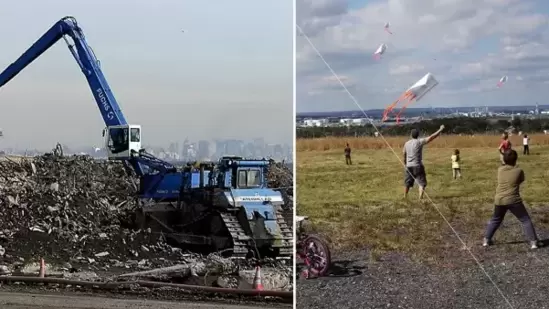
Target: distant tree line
[461, 125]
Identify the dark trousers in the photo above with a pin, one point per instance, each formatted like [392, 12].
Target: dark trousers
[415, 174]
[526, 150]
[519, 211]
[348, 160]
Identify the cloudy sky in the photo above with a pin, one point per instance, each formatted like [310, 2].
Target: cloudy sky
[229, 72]
[468, 45]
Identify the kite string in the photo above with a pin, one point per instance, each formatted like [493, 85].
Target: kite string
[355, 101]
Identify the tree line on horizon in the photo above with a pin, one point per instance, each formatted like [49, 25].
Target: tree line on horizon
[458, 126]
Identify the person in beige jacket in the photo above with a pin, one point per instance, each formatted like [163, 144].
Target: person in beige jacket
[507, 198]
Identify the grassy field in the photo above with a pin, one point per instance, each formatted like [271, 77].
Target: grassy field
[362, 205]
[453, 141]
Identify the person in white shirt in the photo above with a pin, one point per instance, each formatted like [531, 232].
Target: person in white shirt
[456, 168]
[525, 141]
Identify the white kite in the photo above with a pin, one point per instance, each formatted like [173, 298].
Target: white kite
[387, 25]
[502, 81]
[380, 51]
[414, 93]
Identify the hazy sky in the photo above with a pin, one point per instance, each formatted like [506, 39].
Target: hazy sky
[467, 44]
[228, 76]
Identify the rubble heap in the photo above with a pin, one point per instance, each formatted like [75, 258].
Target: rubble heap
[280, 177]
[78, 210]
[72, 208]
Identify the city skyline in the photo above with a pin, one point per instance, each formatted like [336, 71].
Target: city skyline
[468, 46]
[186, 150]
[172, 70]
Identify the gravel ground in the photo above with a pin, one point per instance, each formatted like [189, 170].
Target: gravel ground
[47, 301]
[77, 213]
[30, 297]
[454, 281]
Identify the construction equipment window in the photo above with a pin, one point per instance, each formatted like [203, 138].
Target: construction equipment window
[118, 140]
[134, 135]
[254, 179]
[242, 178]
[249, 178]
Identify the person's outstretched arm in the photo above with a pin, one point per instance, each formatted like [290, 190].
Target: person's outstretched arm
[434, 135]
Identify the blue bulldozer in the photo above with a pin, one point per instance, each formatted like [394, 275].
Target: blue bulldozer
[223, 206]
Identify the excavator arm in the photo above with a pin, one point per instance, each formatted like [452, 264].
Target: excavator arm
[123, 140]
[84, 56]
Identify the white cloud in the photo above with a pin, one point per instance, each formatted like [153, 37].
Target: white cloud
[406, 69]
[318, 85]
[467, 44]
[473, 68]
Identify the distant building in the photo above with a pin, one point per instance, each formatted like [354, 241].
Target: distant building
[203, 150]
[346, 121]
[360, 121]
[191, 153]
[315, 122]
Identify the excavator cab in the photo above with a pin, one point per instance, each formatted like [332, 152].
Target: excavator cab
[122, 141]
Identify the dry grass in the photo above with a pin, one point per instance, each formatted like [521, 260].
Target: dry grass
[333, 143]
[362, 205]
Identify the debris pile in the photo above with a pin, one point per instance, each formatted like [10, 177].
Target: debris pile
[71, 208]
[79, 210]
[280, 177]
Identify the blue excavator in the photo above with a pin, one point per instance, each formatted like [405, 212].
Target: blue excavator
[223, 206]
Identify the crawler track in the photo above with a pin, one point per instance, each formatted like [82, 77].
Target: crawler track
[286, 246]
[241, 241]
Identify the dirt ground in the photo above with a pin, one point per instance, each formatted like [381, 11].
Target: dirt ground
[12, 300]
[453, 281]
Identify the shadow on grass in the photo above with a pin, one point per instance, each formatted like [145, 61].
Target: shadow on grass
[541, 243]
[515, 242]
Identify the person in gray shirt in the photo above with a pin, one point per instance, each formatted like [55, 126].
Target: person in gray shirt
[413, 158]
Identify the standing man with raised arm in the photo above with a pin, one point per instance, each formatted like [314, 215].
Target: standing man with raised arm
[413, 158]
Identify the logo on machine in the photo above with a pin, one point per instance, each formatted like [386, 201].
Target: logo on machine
[104, 103]
[256, 198]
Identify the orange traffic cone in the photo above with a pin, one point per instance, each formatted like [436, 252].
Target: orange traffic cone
[257, 279]
[42, 272]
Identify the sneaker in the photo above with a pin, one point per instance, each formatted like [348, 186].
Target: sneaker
[486, 242]
[534, 244]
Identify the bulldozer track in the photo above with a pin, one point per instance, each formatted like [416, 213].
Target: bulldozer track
[240, 239]
[242, 242]
[288, 215]
[286, 246]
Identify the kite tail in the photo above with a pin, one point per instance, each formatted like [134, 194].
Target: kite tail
[404, 106]
[389, 109]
